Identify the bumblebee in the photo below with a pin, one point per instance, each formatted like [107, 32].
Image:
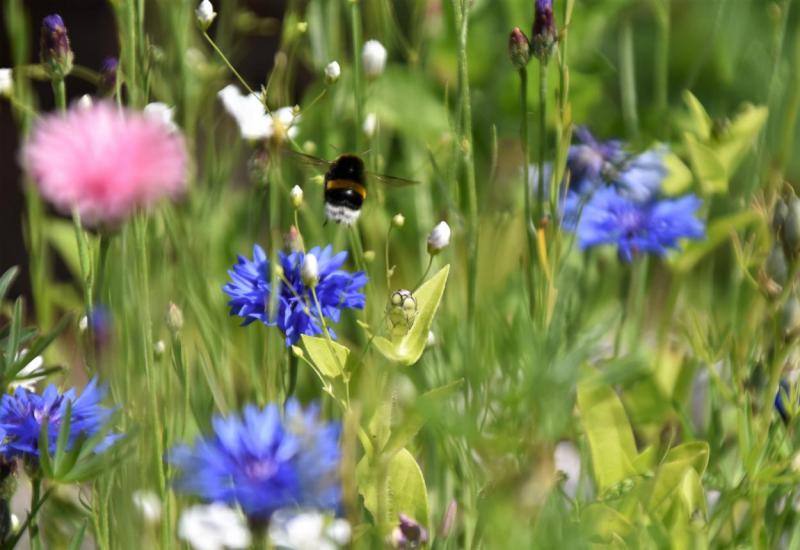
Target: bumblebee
[346, 186]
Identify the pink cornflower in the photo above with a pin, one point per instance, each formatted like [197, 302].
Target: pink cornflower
[104, 161]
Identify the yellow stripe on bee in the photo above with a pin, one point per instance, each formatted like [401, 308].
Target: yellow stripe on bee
[347, 184]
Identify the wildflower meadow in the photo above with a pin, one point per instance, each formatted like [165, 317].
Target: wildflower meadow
[449, 274]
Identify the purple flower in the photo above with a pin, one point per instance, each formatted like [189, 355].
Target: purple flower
[409, 534]
[108, 74]
[655, 227]
[297, 313]
[23, 414]
[262, 463]
[54, 46]
[545, 35]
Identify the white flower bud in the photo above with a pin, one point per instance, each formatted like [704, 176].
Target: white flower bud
[398, 220]
[370, 125]
[310, 270]
[296, 194]
[332, 72]
[6, 83]
[431, 340]
[85, 101]
[148, 504]
[205, 14]
[439, 238]
[159, 348]
[161, 112]
[373, 57]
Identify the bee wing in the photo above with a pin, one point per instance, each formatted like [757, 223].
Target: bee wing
[308, 159]
[392, 180]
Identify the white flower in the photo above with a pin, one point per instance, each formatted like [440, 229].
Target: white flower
[567, 459]
[213, 527]
[205, 14]
[85, 101]
[162, 113]
[148, 504]
[310, 270]
[373, 57]
[370, 124]
[333, 71]
[28, 372]
[439, 238]
[307, 530]
[431, 340]
[296, 194]
[398, 220]
[252, 118]
[6, 82]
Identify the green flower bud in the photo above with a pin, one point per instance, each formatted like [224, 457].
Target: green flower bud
[791, 228]
[519, 48]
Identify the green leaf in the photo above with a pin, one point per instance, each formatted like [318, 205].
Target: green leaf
[679, 177]
[718, 232]
[708, 167]
[61, 235]
[328, 356]
[6, 280]
[425, 408]
[605, 522]
[740, 135]
[15, 332]
[611, 442]
[701, 122]
[672, 471]
[77, 540]
[405, 490]
[408, 349]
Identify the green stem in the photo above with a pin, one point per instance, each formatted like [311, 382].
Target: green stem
[460, 8]
[661, 65]
[355, 18]
[33, 527]
[530, 230]
[542, 140]
[60, 93]
[227, 62]
[627, 78]
[424, 275]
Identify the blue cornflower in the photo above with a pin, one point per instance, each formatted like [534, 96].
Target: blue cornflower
[297, 312]
[23, 414]
[262, 464]
[656, 226]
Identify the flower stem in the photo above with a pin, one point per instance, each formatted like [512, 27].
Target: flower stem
[227, 62]
[542, 140]
[33, 527]
[526, 185]
[355, 18]
[627, 78]
[461, 8]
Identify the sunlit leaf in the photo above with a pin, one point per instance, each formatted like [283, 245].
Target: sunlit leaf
[707, 166]
[701, 122]
[408, 349]
[404, 490]
[611, 442]
[679, 177]
[717, 233]
[739, 136]
[328, 356]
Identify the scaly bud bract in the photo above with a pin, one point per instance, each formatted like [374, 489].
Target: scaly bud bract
[55, 51]
[519, 48]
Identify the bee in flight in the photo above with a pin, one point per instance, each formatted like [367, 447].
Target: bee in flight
[346, 185]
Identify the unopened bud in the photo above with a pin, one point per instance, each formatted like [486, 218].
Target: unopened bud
[296, 194]
[398, 220]
[85, 101]
[408, 534]
[519, 48]
[108, 75]
[439, 238]
[779, 216]
[293, 240]
[6, 83]
[545, 35]
[791, 228]
[373, 58]
[370, 124]
[310, 271]
[159, 348]
[332, 72]
[297, 352]
[55, 51]
[174, 318]
[448, 519]
[369, 256]
[791, 318]
[205, 14]
[776, 267]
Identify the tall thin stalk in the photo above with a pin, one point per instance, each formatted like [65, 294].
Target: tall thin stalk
[627, 78]
[358, 93]
[530, 230]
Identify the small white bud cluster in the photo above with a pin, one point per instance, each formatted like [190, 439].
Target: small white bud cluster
[439, 238]
[373, 58]
[332, 72]
[205, 14]
[296, 195]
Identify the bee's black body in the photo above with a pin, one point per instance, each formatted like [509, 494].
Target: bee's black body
[345, 189]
